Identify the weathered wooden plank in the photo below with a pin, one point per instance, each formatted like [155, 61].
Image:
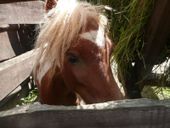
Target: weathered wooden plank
[31, 12]
[10, 1]
[15, 71]
[142, 113]
[6, 51]
[16, 39]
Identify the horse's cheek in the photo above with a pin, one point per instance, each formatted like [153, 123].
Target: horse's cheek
[69, 77]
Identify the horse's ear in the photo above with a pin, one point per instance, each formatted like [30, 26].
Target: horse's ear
[49, 4]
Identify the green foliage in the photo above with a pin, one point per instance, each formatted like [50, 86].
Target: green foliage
[31, 98]
[156, 92]
[127, 21]
[130, 41]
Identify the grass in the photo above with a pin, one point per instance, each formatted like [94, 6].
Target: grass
[31, 98]
[130, 41]
[155, 92]
[127, 22]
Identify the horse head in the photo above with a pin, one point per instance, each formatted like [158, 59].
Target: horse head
[74, 56]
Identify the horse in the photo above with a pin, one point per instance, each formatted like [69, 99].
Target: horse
[74, 51]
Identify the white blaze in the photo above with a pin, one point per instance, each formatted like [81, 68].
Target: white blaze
[96, 36]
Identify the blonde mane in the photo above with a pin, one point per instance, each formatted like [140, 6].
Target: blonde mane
[61, 28]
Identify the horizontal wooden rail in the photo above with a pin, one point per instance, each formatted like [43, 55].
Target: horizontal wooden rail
[31, 12]
[11, 1]
[139, 113]
[15, 71]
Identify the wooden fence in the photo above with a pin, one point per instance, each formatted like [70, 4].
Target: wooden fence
[16, 65]
[139, 113]
[18, 24]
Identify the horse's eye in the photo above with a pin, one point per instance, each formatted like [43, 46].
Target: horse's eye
[73, 59]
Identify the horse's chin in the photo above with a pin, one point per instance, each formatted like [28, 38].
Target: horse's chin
[80, 100]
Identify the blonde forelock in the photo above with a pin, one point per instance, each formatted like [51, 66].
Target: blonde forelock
[62, 27]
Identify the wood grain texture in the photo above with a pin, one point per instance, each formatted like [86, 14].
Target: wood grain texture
[11, 1]
[15, 71]
[31, 12]
[140, 113]
[6, 50]
[16, 39]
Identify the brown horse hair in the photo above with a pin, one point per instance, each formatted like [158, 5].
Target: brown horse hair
[61, 28]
